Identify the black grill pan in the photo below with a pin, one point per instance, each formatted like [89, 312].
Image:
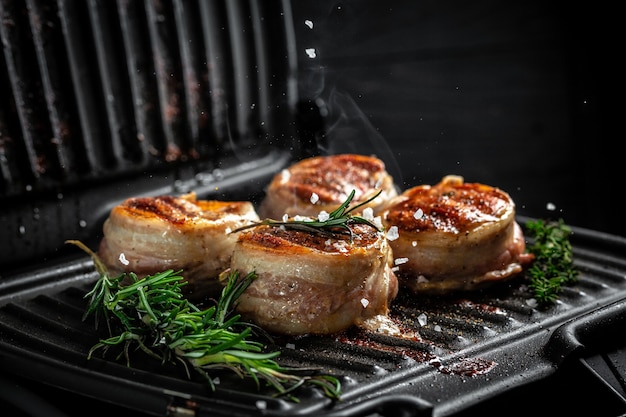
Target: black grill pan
[473, 348]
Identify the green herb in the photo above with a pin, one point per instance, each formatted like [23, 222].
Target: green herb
[553, 266]
[338, 221]
[152, 315]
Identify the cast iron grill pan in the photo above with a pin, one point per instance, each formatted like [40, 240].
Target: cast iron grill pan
[472, 348]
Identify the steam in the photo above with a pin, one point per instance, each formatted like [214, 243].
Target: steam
[350, 131]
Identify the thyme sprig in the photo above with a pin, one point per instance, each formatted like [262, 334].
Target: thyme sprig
[337, 222]
[553, 266]
[152, 315]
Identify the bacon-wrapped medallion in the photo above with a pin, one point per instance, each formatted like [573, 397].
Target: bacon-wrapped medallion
[454, 236]
[321, 183]
[146, 235]
[309, 283]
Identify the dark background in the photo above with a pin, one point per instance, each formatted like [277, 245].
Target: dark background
[505, 93]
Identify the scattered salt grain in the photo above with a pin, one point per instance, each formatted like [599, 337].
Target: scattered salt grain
[314, 198]
[392, 233]
[261, 404]
[422, 278]
[400, 261]
[551, 206]
[311, 52]
[290, 346]
[284, 176]
[368, 213]
[418, 214]
[216, 380]
[414, 243]
[309, 23]
[437, 328]
[531, 302]
[123, 259]
[364, 302]
[323, 216]
[422, 320]
[285, 217]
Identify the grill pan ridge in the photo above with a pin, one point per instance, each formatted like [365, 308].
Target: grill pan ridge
[43, 337]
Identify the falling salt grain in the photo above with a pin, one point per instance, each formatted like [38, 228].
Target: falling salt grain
[414, 243]
[437, 328]
[314, 198]
[123, 259]
[364, 302]
[400, 261]
[309, 23]
[418, 214]
[392, 233]
[290, 346]
[311, 52]
[261, 404]
[216, 380]
[551, 206]
[421, 278]
[421, 319]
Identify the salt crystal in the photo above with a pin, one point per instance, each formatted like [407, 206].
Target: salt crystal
[290, 346]
[323, 216]
[551, 206]
[285, 217]
[392, 233]
[123, 259]
[531, 302]
[364, 302]
[437, 328]
[311, 52]
[414, 243]
[421, 279]
[368, 213]
[314, 198]
[400, 261]
[422, 319]
[261, 404]
[418, 214]
[309, 23]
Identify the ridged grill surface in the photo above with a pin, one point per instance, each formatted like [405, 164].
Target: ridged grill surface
[469, 347]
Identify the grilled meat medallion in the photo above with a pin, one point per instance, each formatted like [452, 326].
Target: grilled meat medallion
[146, 235]
[309, 283]
[454, 236]
[324, 182]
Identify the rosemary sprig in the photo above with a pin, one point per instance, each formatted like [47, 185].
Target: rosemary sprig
[338, 221]
[151, 314]
[553, 266]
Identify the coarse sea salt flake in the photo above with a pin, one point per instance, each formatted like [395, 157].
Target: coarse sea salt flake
[392, 233]
[418, 214]
[285, 217]
[364, 302]
[400, 261]
[368, 213]
[123, 259]
[422, 320]
[314, 198]
[323, 216]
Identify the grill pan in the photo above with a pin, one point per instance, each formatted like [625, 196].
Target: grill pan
[474, 347]
[107, 100]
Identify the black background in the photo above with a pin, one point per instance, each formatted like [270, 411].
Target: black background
[511, 94]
